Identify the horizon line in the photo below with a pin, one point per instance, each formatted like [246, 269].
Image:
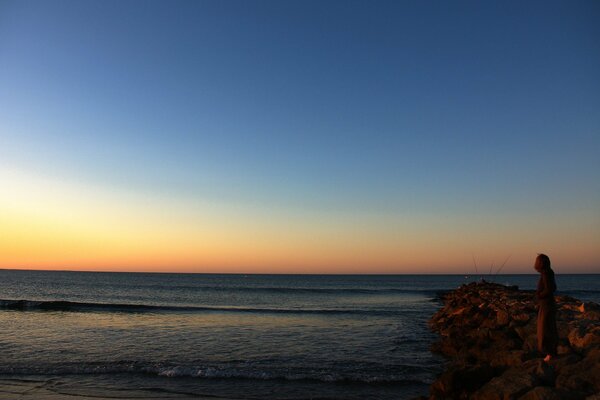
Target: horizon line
[285, 274]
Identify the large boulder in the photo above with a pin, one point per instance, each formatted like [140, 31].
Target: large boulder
[548, 393]
[584, 335]
[458, 381]
[502, 318]
[509, 386]
[582, 376]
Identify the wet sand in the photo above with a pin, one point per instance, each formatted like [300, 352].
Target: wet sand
[55, 389]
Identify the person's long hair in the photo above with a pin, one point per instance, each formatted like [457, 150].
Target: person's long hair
[542, 263]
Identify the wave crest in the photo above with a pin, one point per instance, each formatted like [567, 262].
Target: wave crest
[360, 374]
[72, 306]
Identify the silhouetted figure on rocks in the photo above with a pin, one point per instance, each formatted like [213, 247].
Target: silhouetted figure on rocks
[547, 333]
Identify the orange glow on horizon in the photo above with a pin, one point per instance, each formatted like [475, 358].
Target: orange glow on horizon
[46, 224]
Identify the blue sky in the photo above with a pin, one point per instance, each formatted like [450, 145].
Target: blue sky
[456, 110]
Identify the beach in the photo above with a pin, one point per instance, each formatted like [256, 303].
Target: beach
[53, 389]
[128, 335]
[226, 336]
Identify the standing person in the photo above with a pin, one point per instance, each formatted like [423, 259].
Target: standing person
[547, 333]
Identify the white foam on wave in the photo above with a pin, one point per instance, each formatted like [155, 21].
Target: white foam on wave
[224, 372]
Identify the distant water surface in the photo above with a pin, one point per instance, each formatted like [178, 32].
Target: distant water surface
[230, 336]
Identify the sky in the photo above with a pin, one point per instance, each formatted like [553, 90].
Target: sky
[299, 136]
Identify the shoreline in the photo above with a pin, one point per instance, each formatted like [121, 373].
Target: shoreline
[138, 386]
[46, 387]
[488, 337]
[50, 389]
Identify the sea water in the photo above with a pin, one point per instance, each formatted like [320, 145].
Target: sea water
[141, 335]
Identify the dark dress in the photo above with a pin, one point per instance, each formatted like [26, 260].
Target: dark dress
[547, 333]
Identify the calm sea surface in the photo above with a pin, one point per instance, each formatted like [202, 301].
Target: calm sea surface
[131, 335]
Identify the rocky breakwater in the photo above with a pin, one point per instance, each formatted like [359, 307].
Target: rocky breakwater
[488, 335]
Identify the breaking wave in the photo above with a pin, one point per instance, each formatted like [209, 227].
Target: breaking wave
[384, 374]
[73, 306]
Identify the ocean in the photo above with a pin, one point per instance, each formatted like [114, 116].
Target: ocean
[150, 335]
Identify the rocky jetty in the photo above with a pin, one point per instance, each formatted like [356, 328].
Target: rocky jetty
[488, 334]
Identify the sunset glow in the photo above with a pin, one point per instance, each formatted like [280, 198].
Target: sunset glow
[52, 224]
[125, 150]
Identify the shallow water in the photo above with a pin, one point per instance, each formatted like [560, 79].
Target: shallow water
[230, 336]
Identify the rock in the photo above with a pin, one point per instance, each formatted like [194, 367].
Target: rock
[590, 310]
[502, 318]
[584, 336]
[582, 376]
[563, 350]
[521, 317]
[527, 333]
[489, 333]
[509, 386]
[543, 393]
[444, 347]
[461, 380]
[543, 372]
[508, 359]
[563, 361]
[564, 329]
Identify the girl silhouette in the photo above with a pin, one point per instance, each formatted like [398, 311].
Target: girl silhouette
[547, 333]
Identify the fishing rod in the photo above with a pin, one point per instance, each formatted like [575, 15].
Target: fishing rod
[503, 264]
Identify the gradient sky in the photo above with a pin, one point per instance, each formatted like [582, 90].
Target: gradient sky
[299, 136]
